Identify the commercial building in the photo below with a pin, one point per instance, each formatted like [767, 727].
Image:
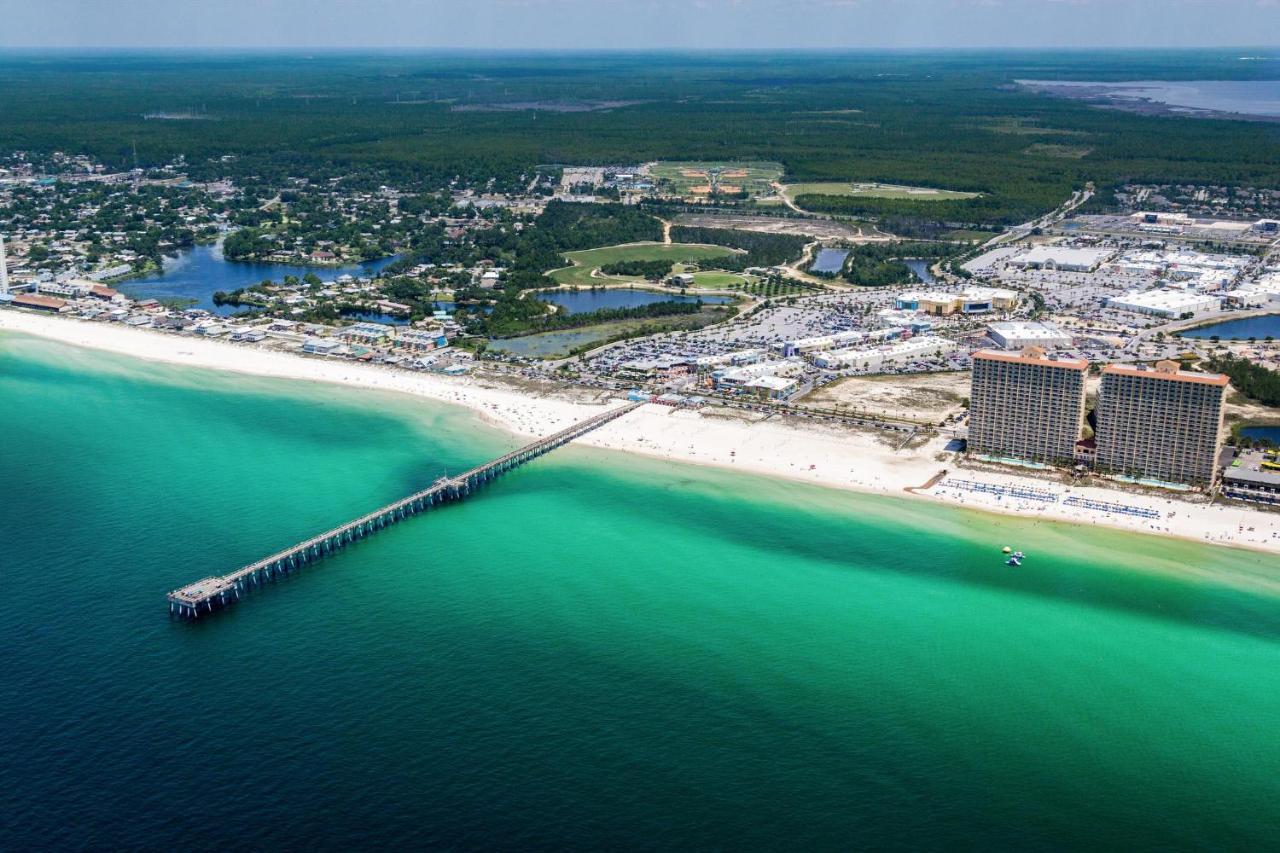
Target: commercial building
[971, 300]
[736, 358]
[1165, 303]
[770, 387]
[874, 358]
[1160, 423]
[1253, 475]
[926, 301]
[892, 318]
[1066, 258]
[1018, 335]
[802, 346]
[739, 377]
[1026, 405]
[975, 300]
[39, 303]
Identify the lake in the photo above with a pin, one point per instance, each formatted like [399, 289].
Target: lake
[1242, 97]
[1239, 330]
[198, 272]
[829, 260]
[1270, 433]
[377, 317]
[920, 267]
[579, 301]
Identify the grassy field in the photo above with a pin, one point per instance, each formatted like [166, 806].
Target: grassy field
[1046, 149]
[964, 235]
[587, 260]
[876, 191]
[704, 178]
[718, 280]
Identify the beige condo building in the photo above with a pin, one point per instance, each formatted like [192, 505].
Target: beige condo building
[1026, 405]
[1160, 423]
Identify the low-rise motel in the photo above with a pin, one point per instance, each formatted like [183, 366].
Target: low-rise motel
[1157, 423]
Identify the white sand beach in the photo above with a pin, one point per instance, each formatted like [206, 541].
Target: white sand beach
[856, 460]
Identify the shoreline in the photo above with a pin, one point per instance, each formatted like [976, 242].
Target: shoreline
[849, 460]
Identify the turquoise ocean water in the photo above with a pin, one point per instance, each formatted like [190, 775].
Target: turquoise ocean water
[600, 651]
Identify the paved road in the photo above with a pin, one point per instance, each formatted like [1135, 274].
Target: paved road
[1020, 232]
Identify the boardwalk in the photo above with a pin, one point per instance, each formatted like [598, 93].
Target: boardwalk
[208, 594]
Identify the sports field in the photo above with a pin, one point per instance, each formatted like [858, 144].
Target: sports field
[705, 178]
[588, 260]
[719, 280]
[876, 191]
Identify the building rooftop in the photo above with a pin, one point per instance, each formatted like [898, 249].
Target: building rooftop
[1063, 256]
[1168, 370]
[1025, 328]
[36, 301]
[1034, 356]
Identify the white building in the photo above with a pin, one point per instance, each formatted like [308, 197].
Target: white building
[248, 334]
[1165, 303]
[1247, 298]
[1015, 335]
[800, 346]
[320, 346]
[874, 358]
[736, 358]
[1068, 258]
[773, 387]
[742, 376]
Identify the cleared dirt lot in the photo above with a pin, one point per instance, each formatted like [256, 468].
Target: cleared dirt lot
[822, 228]
[920, 397]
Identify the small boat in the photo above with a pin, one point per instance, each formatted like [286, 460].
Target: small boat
[1013, 561]
[1007, 550]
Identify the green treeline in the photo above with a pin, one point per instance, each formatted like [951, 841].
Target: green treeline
[879, 264]
[761, 249]
[1253, 380]
[568, 226]
[952, 213]
[421, 123]
[651, 270]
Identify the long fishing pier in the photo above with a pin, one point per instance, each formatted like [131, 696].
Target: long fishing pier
[208, 594]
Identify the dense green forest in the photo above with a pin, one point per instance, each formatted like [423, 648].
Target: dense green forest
[1252, 380]
[761, 249]
[566, 227]
[651, 270]
[879, 264]
[423, 122]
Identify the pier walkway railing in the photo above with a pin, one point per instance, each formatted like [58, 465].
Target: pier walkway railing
[208, 594]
